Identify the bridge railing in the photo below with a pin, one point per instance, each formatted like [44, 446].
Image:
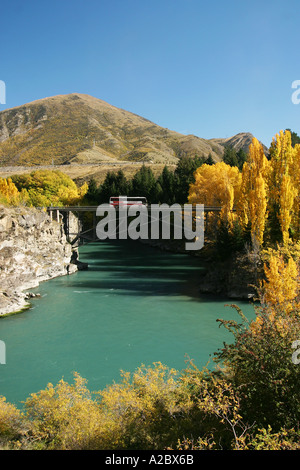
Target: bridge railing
[62, 213]
[94, 208]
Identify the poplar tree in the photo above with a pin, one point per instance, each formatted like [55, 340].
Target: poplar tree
[282, 183]
[295, 173]
[252, 205]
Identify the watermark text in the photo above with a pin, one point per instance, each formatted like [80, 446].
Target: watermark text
[296, 354]
[296, 93]
[2, 353]
[150, 222]
[2, 92]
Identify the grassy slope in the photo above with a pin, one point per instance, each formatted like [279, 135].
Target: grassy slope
[82, 129]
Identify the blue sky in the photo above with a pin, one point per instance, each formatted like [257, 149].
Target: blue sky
[212, 69]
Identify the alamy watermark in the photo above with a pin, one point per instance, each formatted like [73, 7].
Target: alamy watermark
[2, 92]
[151, 222]
[2, 353]
[296, 93]
[295, 358]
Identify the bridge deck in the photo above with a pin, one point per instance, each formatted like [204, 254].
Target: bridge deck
[90, 234]
[94, 208]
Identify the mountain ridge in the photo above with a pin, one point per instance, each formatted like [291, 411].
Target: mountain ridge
[78, 128]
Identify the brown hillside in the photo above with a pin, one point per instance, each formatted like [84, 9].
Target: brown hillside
[81, 129]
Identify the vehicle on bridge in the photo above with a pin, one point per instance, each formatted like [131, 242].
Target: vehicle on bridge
[118, 201]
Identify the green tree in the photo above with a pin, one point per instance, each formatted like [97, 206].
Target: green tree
[209, 160]
[230, 157]
[235, 158]
[295, 137]
[115, 184]
[167, 182]
[92, 192]
[242, 157]
[184, 176]
[144, 184]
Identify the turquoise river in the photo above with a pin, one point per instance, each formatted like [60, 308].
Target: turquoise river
[134, 305]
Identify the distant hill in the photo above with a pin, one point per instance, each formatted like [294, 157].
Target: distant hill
[238, 141]
[78, 128]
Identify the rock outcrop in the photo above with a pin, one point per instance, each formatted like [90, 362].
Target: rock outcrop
[33, 248]
[234, 278]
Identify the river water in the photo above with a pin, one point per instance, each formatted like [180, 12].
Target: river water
[134, 305]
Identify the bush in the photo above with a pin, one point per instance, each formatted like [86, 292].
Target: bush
[259, 365]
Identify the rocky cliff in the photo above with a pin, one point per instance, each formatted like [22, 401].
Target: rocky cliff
[33, 248]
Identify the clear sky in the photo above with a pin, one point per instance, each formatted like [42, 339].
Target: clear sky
[209, 68]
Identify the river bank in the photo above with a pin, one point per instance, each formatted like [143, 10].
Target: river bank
[234, 277]
[33, 248]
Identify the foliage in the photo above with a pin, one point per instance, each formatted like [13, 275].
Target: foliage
[259, 364]
[234, 157]
[229, 238]
[263, 192]
[147, 410]
[114, 184]
[216, 185]
[65, 416]
[266, 439]
[169, 187]
[295, 137]
[12, 424]
[215, 396]
[144, 184]
[252, 205]
[282, 184]
[167, 182]
[9, 194]
[184, 174]
[281, 288]
[46, 188]
[92, 192]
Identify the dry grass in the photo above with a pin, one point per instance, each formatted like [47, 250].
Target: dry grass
[84, 172]
[81, 129]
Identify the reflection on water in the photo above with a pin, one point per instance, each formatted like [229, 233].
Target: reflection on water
[134, 305]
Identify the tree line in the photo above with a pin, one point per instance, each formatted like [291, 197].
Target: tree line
[169, 187]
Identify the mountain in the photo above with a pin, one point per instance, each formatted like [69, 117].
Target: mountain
[238, 141]
[78, 128]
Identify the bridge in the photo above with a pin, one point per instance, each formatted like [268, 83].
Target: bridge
[63, 214]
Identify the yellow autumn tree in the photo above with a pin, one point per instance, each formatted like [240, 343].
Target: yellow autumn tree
[295, 174]
[216, 185]
[46, 187]
[286, 202]
[281, 286]
[12, 422]
[9, 193]
[279, 292]
[252, 204]
[283, 185]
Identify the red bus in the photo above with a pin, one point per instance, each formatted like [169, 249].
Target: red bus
[118, 201]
